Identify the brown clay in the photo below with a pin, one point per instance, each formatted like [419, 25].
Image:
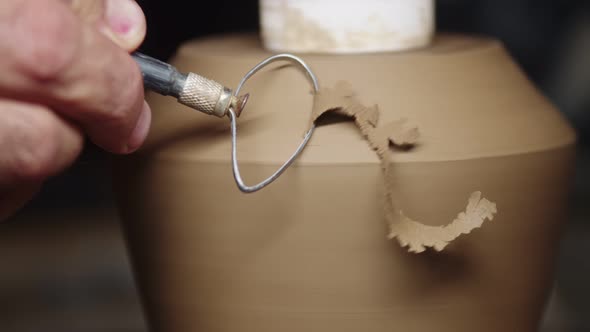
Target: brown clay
[310, 252]
[414, 235]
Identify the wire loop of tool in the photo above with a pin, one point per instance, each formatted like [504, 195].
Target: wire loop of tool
[232, 116]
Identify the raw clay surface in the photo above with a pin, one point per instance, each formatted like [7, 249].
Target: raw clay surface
[310, 251]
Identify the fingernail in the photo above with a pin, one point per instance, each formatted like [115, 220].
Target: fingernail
[125, 18]
[141, 129]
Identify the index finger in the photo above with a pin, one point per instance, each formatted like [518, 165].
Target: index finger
[122, 21]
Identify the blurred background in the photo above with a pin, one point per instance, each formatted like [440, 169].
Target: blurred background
[63, 265]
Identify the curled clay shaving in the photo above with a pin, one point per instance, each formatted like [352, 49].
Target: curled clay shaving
[417, 236]
[409, 233]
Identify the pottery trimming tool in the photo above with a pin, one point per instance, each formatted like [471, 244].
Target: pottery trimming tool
[210, 97]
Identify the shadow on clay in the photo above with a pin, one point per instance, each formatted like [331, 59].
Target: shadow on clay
[330, 118]
[203, 133]
[432, 271]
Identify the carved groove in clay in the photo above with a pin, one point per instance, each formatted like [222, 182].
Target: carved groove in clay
[412, 234]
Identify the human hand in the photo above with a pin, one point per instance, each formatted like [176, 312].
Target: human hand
[66, 73]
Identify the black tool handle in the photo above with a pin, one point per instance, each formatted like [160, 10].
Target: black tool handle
[159, 76]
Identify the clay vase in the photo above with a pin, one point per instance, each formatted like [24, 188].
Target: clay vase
[310, 252]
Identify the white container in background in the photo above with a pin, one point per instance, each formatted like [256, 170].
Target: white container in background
[346, 26]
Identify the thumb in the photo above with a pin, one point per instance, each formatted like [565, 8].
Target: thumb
[122, 21]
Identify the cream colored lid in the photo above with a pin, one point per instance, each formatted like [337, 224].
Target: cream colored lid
[465, 94]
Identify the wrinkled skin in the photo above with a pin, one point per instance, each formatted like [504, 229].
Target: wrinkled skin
[66, 74]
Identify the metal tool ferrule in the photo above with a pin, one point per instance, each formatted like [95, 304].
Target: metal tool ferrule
[205, 95]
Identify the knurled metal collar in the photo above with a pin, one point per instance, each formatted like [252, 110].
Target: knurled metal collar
[205, 95]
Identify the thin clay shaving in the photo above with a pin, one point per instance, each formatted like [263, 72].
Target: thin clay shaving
[412, 234]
